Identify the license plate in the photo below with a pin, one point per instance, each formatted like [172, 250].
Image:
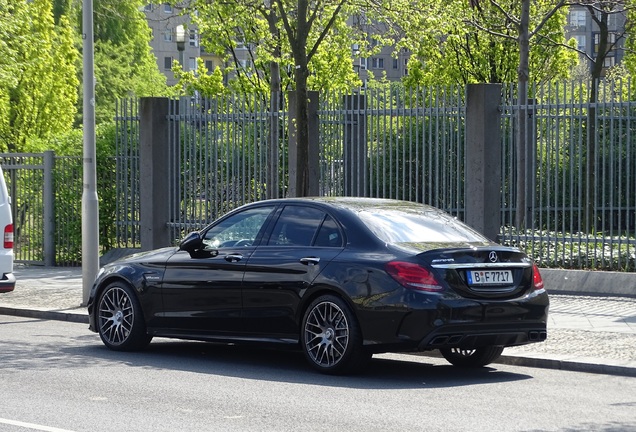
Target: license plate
[489, 277]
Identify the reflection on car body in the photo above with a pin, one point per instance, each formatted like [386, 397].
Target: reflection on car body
[342, 278]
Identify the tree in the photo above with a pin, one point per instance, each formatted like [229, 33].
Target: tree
[124, 63]
[304, 45]
[465, 45]
[41, 97]
[199, 81]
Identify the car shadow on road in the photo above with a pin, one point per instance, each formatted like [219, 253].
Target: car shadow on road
[391, 371]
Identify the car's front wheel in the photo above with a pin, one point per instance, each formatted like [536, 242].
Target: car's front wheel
[120, 319]
[331, 338]
[477, 357]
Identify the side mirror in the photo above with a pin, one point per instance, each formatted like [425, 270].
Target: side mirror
[191, 242]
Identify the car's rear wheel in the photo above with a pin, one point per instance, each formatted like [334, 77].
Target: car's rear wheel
[120, 319]
[331, 338]
[477, 357]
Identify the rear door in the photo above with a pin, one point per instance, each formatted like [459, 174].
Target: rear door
[301, 244]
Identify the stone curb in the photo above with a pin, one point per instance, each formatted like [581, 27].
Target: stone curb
[545, 362]
[45, 314]
[567, 365]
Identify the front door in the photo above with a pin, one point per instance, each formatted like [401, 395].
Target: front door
[202, 291]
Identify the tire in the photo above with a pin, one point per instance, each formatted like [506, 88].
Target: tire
[331, 338]
[120, 321]
[472, 358]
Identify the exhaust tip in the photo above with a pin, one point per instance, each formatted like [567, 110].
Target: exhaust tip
[537, 335]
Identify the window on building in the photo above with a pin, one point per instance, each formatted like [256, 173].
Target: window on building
[577, 18]
[395, 63]
[581, 42]
[209, 65]
[609, 61]
[192, 63]
[148, 7]
[167, 63]
[167, 8]
[363, 64]
[194, 38]
[377, 63]
[167, 36]
[611, 40]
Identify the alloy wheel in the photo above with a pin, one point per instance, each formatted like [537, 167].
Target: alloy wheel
[326, 334]
[116, 316]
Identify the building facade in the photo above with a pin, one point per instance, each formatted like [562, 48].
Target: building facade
[586, 32]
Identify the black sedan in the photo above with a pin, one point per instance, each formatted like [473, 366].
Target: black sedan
[341, 278]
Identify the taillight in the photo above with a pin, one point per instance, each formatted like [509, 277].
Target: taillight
[537, 280]
[413, 276]
[8, 236]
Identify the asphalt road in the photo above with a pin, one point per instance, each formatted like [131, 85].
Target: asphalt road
[57, 376]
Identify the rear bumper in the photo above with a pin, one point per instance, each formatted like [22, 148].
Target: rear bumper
[484, 335]
[455, 322]
[7, 283]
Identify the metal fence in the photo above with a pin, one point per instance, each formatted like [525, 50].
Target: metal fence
[381, 143]
[220, 150]
[126, 184]
[582, 193]
[398, 144]
[46, 195]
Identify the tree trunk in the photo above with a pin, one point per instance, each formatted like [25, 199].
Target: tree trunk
[590, 165]
[275, 97]
[302, 136]
[301, 72]
[597, 70]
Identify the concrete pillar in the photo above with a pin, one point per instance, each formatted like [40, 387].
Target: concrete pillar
[49, 208]
[483, 159]
[154, 162]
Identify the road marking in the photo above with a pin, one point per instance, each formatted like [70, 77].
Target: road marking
[32, 426]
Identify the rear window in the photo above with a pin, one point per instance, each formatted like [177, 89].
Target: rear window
[417, 226]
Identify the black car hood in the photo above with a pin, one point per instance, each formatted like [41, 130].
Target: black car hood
[154, 256]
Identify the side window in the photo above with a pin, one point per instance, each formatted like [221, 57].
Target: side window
[296, 226]
[240, 229]
[329, 234]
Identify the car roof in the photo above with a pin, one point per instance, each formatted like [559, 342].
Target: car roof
[355, 203]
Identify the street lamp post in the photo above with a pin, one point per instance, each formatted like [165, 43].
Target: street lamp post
[90, 204]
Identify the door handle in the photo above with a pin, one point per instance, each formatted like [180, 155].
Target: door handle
[310, 261]
[233, 257]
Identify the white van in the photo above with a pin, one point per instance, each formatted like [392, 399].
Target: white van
[7, 279]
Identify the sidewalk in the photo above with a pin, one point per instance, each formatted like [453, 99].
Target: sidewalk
[585, 333]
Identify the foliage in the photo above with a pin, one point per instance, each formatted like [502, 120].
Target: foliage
[124, 63]
[265, 32]
[39, 102]
[68, 207]
[464, 45]
[200, 81]
[12, 14]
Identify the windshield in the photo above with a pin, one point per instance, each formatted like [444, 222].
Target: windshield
[414, 225]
